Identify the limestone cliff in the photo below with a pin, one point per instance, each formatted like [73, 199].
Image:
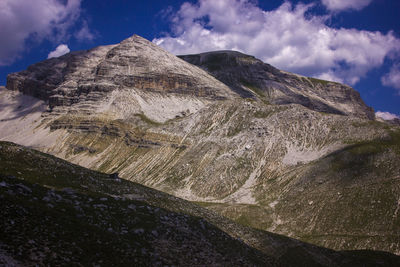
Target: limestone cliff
[133, 67]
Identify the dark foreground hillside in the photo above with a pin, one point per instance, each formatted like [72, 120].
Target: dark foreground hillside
[57, 213]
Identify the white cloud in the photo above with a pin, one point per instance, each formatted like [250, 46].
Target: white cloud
[392, 79]
[62, 49]
[386, 115]
[286, 37]
[39, 19]
[339, 5]
[84, 34]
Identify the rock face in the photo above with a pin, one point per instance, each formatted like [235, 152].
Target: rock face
[251, 77]
[90, 76]
[272, 150]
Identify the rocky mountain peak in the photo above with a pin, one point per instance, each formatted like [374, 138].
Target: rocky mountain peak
[134, 64]
[250, 77]
[139, 65]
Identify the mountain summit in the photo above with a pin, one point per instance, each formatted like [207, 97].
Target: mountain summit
[133, 67]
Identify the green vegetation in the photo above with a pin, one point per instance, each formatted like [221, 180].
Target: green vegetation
[57, 213]
[229, 112]
[242, 163]
[236, 129]
[63, 214]
[253, 88]
[246, 214]
[147, 120]
[377, 145]
[263, 113]
[374, 124]
[318, 81]
[267, 112]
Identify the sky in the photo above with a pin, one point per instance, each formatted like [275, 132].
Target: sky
[356, 42]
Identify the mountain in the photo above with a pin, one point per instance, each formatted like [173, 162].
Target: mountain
[269, 149]
[250, 77]
[57, 213]
[91, 80]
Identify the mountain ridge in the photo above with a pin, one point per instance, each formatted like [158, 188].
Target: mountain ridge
[241, 72]
[244, 74]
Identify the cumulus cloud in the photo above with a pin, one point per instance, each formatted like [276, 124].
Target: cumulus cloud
[289, 38]
[386, 115]
[62, 49]
[39, 19]
[339, 5]
[392, 79]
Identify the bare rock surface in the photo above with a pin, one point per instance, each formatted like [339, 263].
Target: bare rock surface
[249, 76]
[136, 70]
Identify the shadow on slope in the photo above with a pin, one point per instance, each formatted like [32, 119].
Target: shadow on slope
[59, 213]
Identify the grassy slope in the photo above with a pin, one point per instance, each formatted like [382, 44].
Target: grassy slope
[130, 151]
[348, 199]
[59, 213]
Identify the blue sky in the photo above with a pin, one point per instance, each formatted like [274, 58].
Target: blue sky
[356, 42]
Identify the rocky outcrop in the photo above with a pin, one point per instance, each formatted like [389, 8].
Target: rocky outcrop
[135, 63]
[132, 137]
[58, 80]
[251, 77]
